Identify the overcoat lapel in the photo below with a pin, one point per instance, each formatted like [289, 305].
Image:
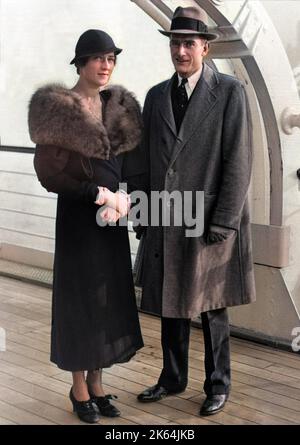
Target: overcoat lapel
[201, 104]
[166, 109]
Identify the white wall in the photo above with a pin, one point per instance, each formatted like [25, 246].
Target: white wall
[285, 15]
[38, 37]
[37, 42]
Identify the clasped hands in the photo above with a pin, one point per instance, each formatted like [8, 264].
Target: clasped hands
[117, 204]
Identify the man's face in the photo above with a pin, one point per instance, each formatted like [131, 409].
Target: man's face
[187, 52]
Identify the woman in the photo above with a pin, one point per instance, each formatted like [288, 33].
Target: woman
[86, 146]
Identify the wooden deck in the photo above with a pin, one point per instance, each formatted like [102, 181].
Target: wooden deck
[265, 390]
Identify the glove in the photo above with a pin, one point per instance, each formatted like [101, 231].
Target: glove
[139, 230]
[218, 234]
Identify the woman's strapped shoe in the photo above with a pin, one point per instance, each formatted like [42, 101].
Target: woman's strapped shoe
[104, 405]
[86, 411]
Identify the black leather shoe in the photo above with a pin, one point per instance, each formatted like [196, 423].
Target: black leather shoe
[104, 405]
[155, 393]
[213, 404]
[86, 411]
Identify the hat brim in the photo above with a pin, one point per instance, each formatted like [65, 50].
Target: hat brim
[115, 50]
[206, 35]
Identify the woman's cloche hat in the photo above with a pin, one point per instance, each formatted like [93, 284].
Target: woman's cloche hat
[94, 41]
[190, 20]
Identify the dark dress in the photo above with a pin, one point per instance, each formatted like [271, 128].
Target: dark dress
[94, 314]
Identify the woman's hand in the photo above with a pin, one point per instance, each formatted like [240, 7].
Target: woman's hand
[110, 215]
[103, 196]
[118, 201]
[123, 202]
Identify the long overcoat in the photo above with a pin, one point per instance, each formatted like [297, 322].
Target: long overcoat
[94, 313]
[183, 276]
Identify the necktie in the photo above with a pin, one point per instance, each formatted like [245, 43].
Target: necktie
[182, 96]
[180, 102]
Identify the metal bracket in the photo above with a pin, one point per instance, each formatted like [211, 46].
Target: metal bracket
[240, 38]
[271, 245]
[289, 120]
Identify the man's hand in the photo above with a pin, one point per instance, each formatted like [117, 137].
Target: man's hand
[218, 234]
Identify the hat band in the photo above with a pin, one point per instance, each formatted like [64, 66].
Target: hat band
[91, 52]
[188, 23]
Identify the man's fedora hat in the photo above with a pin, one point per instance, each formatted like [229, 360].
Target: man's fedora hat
[94, 41]
[190, 20]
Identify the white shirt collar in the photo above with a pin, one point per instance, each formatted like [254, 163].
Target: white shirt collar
[191, 81]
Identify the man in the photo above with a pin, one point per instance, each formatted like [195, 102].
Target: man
[197, 138]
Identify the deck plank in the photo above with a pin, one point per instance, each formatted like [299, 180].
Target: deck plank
[265, 387]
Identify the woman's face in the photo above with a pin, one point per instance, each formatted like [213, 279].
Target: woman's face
[98, 69]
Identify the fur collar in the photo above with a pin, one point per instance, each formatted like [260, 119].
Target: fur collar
[57, 117]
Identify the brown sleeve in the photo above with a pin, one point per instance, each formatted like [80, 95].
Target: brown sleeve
[50, 163]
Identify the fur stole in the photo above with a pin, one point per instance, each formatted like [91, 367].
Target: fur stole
[57, 117]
